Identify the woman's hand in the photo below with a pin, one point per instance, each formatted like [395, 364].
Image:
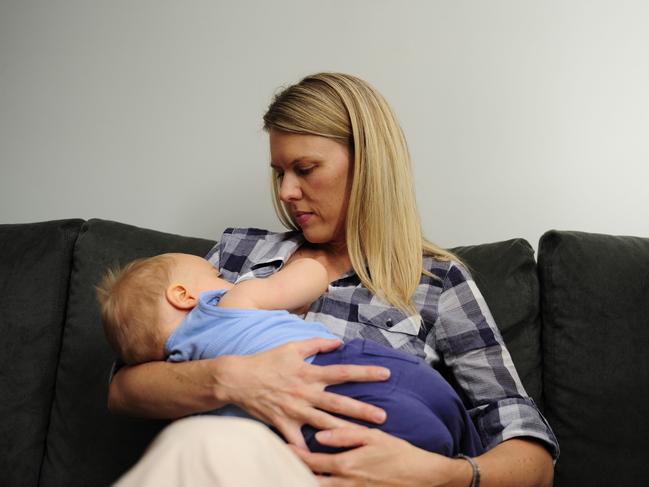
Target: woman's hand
[277, 386]
[379, 459]
[281, 389]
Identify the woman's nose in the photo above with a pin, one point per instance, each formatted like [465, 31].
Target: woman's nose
[289, 189]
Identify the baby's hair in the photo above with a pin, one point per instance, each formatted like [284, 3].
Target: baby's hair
[130, 300]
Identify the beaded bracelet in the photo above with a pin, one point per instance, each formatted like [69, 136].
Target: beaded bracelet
[475, 481]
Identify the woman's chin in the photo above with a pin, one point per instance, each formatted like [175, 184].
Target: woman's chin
[321, 238]
[311, 235]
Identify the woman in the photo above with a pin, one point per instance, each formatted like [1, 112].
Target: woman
[342, 181]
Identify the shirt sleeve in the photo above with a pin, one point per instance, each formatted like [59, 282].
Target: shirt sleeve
[214, 255]
[473, 349]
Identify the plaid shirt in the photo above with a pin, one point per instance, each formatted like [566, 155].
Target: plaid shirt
[454, 329]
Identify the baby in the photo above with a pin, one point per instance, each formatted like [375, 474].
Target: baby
[176, 307]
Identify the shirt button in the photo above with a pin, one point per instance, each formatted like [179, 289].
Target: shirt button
[389, 323]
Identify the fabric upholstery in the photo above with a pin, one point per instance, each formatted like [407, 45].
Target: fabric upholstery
[35, 270]
[595, 305]
[588, 364]
[86, 445]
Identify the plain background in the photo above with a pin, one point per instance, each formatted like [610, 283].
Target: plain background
[521, 116]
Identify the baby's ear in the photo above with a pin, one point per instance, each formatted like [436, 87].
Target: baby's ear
[179, 297]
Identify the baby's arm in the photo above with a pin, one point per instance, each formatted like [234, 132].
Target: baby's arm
[299, 283]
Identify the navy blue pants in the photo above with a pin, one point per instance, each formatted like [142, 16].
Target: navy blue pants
[422, 408]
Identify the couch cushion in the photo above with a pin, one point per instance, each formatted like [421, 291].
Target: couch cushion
[595, 301]
[505, 273]
[34, 276]
[87, 445]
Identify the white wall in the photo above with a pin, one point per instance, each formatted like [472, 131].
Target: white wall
[521, 115]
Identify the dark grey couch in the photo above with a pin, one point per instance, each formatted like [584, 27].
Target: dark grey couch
[577, 325]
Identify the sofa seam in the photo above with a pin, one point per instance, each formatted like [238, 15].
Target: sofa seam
[546, 280]
[69, 237]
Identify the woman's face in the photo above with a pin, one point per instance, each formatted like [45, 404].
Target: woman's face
[315, 175]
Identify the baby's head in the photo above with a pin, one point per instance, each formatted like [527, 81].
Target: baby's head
[142, 303]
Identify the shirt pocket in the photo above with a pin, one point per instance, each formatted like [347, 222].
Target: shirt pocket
[387, 354]
[389, 319]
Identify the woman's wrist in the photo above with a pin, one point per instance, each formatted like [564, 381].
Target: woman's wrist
[434, 470]
[459, 473]
[223, 371]
[475, 469]
[167, 390]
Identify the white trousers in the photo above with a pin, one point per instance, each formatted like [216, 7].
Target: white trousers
[220, 452]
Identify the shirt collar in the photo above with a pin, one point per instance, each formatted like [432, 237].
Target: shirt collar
[279, 247]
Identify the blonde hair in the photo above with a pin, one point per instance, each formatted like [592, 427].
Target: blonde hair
[129, 300]
[383, 228]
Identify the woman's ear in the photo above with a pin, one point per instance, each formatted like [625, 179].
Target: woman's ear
[180, 297]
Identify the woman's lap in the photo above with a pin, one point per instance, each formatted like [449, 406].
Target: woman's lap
[216, 451]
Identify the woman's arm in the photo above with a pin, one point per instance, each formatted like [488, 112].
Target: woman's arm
[475, 353]
[384, 460]
[277, 386]
[516, 462]
[165, 389]
[470, 344]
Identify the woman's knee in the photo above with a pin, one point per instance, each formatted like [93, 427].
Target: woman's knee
[206, 429]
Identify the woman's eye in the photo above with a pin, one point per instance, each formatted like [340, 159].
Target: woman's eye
[279, 175]
[303, 171]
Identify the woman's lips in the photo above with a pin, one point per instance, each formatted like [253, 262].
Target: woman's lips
[302, 217]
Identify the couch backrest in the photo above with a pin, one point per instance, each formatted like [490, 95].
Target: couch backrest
[85, 444]
[35, 261]
[595, 302]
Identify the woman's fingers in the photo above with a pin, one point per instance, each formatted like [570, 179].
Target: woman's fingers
[290, 424]
[292, 434]
[345, 437]
[373, 458]
[319, 463]
[326, 481]
[346, 406]
[306, 348]
[325, 421]
[338, 374]
[287, 392]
